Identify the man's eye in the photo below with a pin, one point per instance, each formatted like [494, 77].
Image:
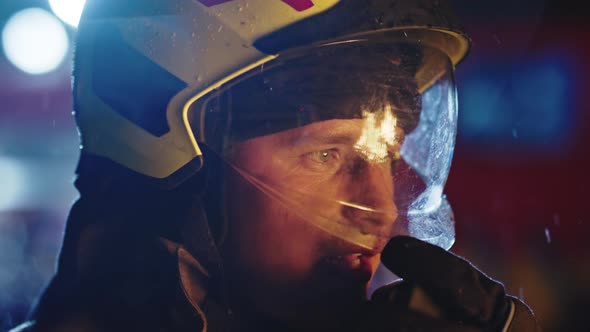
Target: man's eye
[323, 157]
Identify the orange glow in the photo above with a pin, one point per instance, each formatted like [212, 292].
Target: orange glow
[378, 135]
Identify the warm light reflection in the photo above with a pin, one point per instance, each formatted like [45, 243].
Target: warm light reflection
[378, 135]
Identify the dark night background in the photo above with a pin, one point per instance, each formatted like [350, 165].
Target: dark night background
[518, 185]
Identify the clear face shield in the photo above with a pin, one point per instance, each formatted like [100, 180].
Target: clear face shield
[355, 138]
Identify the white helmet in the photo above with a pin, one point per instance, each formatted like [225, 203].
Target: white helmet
[155, 81]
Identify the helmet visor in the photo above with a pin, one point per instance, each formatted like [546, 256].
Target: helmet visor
[353, 137]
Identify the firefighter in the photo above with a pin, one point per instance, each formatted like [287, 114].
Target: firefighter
[247, 165]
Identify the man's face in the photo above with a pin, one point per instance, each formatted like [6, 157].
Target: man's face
[285, 247]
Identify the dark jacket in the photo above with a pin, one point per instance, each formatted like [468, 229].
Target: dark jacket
[141, 258]
[124, 264]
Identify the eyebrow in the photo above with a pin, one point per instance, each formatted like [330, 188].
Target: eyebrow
[337, 136]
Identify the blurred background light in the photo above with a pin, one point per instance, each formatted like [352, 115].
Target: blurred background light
[13, 182]
[68, 11]
[525, 104]
[13, 240]
[35, 41]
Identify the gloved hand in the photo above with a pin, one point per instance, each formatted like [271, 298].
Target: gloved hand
[441, 292]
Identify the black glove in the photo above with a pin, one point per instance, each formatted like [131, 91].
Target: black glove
[441, 292]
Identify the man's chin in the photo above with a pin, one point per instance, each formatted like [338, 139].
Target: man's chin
[338, 288]
[334, 308]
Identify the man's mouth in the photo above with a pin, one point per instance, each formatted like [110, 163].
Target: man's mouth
[357, 265]
[352, 261]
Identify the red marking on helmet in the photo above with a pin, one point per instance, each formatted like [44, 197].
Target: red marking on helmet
[299, 5]
[210, 3]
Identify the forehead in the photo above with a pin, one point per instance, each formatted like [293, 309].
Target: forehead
[373, 129]
[336, 131]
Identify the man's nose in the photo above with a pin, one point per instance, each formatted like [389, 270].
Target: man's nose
[370, 190]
